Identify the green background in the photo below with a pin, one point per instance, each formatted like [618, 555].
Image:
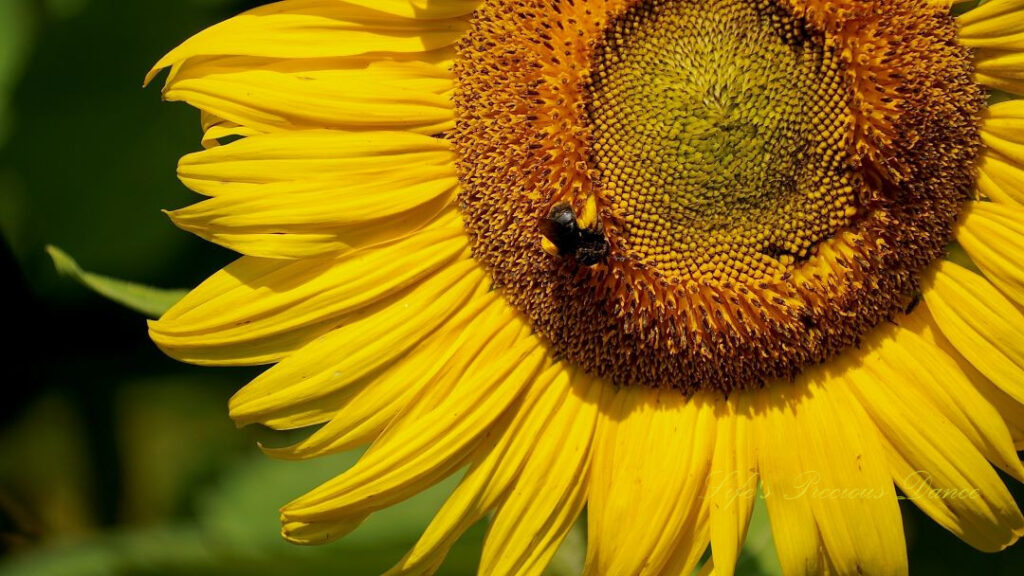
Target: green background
[113, 458]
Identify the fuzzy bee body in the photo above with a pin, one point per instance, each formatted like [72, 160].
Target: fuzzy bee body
[588, 246]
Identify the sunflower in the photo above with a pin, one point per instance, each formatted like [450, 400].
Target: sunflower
[634, 256]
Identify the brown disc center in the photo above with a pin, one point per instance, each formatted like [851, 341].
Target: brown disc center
[710, 194]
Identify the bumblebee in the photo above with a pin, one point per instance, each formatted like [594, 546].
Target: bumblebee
[915, 299]
[565, 237]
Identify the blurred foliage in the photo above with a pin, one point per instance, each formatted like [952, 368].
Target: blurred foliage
[114, 459]
[237, 532]
[89, 157]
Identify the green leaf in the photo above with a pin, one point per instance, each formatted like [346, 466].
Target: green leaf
[145, 299]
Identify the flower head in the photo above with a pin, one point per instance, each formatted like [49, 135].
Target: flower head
[636, 256]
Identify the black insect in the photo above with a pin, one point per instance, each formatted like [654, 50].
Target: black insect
[587, 245]
[915, 299]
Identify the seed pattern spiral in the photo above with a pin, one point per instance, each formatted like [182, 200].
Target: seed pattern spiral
[771, 177]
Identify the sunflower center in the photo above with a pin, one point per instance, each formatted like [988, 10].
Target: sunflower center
[711, 194]
[714, 126]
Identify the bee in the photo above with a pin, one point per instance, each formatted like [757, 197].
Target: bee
[562, 230]
[915, 299]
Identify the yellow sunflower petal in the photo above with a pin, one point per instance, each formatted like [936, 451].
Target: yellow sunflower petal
[994, 24]
[955, 389]
[993, 236]
[360, 412]
[1000, 181]
[257, 311]
[431, 440]
[421, 8]
[550, 490]
[982, 324]
[708, 569]
[285, 221]
[468, 504]
[1003, 123]
[492, 472]
[1001, 170]
[1010, 410]
[690, 546]
[841, 476]
[317, 204]
[300, 245]
[357, 208]
[732, 483]
[1000, 70]
[223, 129]
[371, 341]
[946, 3]
[995, 29]
[931, 460]
[342, 94]
[309, 155]
[921, 323]
[999, 135]
[308, 534]
[318, 530]
[866, 495]
[427, 72]
[797, 540]
[324, 29]
[652, 456]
